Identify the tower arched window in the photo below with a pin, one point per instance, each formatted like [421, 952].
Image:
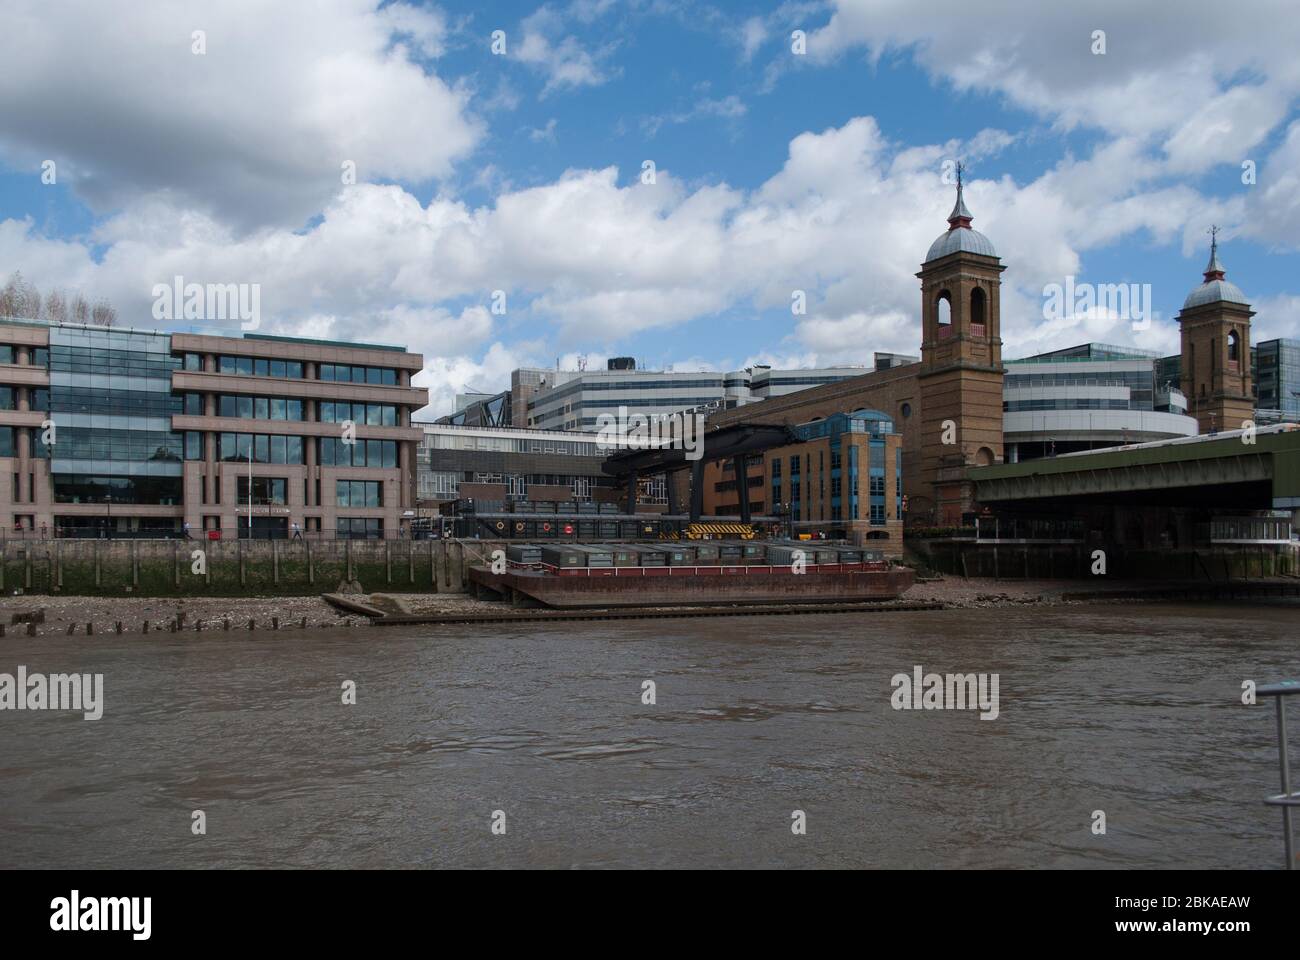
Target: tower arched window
[978, 311]
[943, 313]
[1234, 346]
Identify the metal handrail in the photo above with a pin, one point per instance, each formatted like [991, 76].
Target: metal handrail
[1286, 799]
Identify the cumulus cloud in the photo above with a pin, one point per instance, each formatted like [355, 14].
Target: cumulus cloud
[1162, 64]
[255, 130]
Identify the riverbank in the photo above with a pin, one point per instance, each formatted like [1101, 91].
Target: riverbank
[297, 613]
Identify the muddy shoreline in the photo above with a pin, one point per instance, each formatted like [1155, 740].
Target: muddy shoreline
[296, 613]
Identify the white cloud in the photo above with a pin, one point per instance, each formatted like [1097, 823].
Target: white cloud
[1163, 63]
[562, 59]
[254, 131]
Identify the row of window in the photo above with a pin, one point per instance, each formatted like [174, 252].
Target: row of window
[260, 447]
[360, 453]
[84, 443]
[83, 488]
[111, 403]
[255, 408]
[1072, 403]
[344, 373]
[359, 528]
[371, 414]
[112, 362]
[40, 356]
[249, 366]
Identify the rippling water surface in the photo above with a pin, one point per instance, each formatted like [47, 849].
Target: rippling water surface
[1134, 710]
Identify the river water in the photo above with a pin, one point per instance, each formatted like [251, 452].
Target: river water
[1134, 710]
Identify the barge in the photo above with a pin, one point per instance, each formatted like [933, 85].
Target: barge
[594, 575]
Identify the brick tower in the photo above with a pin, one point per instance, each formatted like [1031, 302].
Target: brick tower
[1215, 328]
[960, 380]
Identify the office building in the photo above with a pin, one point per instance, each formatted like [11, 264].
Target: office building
[1086, 397]
[569, 400]
[842, 478]
[485, 463]
[124, 432]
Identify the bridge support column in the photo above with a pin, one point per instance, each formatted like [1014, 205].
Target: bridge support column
[697, 490]
[631, 491]
[741, 469]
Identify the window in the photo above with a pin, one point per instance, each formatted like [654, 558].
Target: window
[358, 493]
[267, 491]
[359, 528]
[193, 445]
[194, 404]
[193, 361]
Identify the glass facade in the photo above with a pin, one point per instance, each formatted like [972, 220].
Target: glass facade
[1277, 376]
[111, 392]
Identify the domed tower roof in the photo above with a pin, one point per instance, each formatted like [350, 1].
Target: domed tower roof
[1216, 288]
[960, 238]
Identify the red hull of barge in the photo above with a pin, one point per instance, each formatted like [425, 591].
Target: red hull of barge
[695, 586]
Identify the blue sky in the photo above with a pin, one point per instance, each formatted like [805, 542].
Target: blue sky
[521, 172]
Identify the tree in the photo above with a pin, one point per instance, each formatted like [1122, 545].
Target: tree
[79, 311]
[56, 307]
[102, 314]
[20, 299]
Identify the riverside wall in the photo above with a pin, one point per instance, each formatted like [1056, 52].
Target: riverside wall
[157, 568]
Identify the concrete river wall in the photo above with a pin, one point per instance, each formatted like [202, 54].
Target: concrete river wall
[115, 568]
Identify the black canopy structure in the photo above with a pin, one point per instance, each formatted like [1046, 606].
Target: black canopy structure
[725, 443]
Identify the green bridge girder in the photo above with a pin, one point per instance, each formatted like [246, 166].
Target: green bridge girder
[1273, 457]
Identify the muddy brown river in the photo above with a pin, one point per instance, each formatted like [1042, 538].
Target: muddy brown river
[541, 730]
